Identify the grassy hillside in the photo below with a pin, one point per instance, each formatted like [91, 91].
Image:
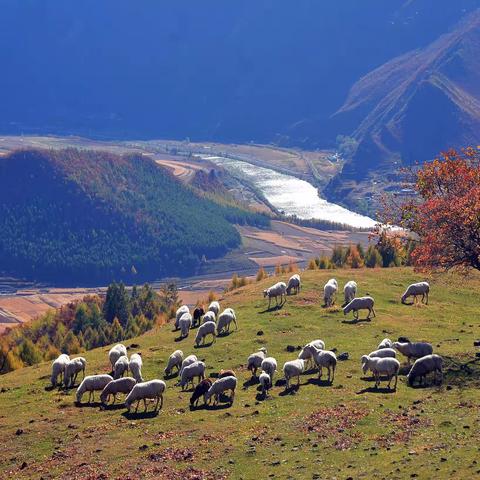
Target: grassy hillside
[85, 216]
[344, 431]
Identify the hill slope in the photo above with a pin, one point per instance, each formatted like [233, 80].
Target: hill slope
[344, 430]
[84, 216]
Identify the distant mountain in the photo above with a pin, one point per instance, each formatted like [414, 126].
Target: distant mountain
[86, 217]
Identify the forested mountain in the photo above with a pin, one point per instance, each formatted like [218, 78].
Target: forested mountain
[86, 217]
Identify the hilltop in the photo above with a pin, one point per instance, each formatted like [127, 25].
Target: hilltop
[321, 431]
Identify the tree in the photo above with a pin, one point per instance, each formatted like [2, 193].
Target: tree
[372, 257]
[116, 332]
[261, 274]
[338, 256]
[116, 303]
[29, 353]
[353, 258]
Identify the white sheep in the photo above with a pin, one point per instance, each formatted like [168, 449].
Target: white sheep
[209, 317]
[115, 353]
[275, 291]
[121, 367]
[207, 328]
[196, 369]
[219, 386]
[254, 361]
[72, 369]
[265, 382]
[385, 343]
[413, 349]
[383, 353]
[382, 366]
[178, 315]
[415, 289]
[58, 369]
[135, 366]
[294, 283]
[225, 319]
[349, 291]
[325, 359]
[329, 291]
[423, 366]
[269, 366]
[361, 303]
[185, 324]
[306, 353]
[214, 307]
[175, 360]
[188, 361]
[293, 368]
[90, 384]
[121, 385]
[153, 389]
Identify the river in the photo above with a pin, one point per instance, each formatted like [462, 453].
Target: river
[292, 195]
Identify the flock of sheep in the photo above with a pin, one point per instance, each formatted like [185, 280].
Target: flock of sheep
[382, 362]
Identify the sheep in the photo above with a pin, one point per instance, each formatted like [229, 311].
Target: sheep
[413, 349]
[58, 369]
[91, 383]
[349, 291]
[275, 291]
[329, 292]
[421, 288]
[383, 353]
[382, 366]
[121, 385]
[306, 353]
[198, 313]
[269, 366]
[175, 360]
[187, 361]
[293, 368]
[120, 367]
[214, 307]
[327, 359]
[255, 360]
[423, 366]
[218, 387]
[200, 390]
[196, 369]
[185, 323]
[385, 343]
[153, 389]
[135, 366]
[115, 353]
[209, 317]
[225, 319]
[294, 283]
[265, 382]
[226, 373]
[207, 328]
[178, 315]
[72, 369]
[361, 303]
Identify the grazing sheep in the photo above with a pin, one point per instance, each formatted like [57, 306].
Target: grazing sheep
[423, 366]
[120, 367]
[72, 369]
[294, 283]
[349, 291]
[383, 353]
[136, 366]
[207, 328]
[174, 360]
[188, 361]
[218, 387]
[90, 384]
[225, 319]
[254, 361]
[196, 369]
[226, 373]
[293, 368]
[414, 349]
[306, 353]
[209, 317]
[179, 313]
[215, 308]
[185, 324]
[415, 289]
[385, 343]
[58, 369]
[382, 366]
[329, 291]
[361, 303]
[269, 366]
[265, 382]
[198, 313]
[115, 353]
[327, 359]
[153, 389]
[200, 390]
[121, 385]
[277, 290]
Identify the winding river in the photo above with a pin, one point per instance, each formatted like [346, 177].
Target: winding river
[292, 195]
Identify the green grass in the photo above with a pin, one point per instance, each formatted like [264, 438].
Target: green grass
[337, 431]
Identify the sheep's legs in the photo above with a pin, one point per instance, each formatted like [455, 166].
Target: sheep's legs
[233, 396]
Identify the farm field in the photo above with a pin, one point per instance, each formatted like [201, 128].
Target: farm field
[344, 430]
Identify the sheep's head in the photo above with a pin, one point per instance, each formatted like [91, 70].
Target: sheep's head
[265, 293]
[263, 349]
[364, 361]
